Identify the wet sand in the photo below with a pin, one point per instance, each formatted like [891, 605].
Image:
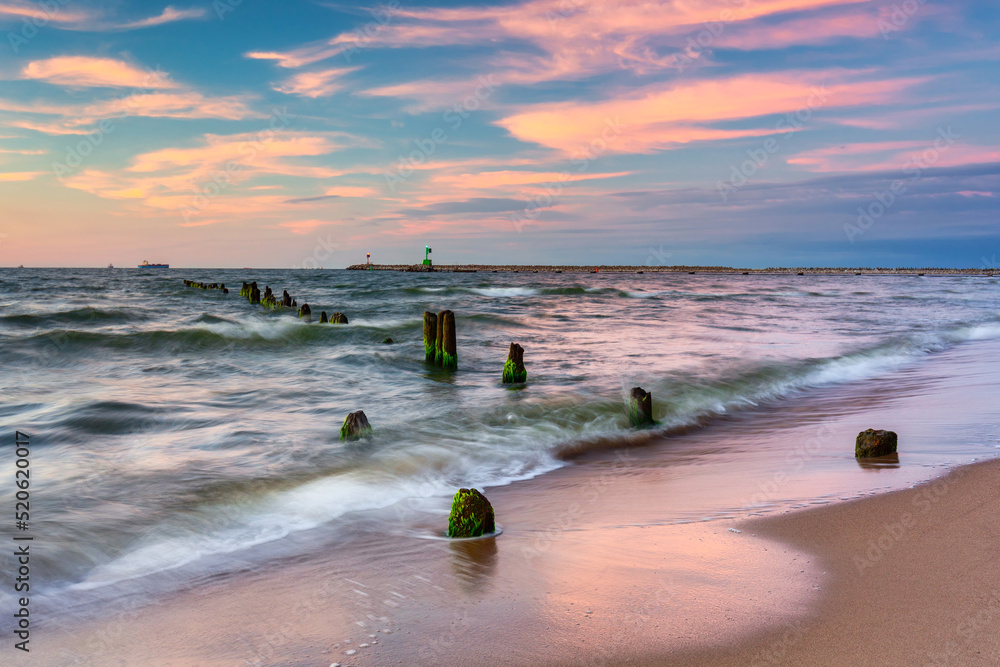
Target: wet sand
[908, 577]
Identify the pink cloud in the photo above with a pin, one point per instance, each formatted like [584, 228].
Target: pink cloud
[82, 119]
[315, 84]
[33, 10]
[572, 39]
[932, 152]
[657, 117]
[498, 179]
[306, 226]
[169, 15]
[351, 191]
[208, 180]
[86, 71]
[20, 175]
[807, 30]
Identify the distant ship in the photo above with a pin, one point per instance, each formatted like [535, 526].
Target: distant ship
[147, 265]
[20, 266]
[111, 266]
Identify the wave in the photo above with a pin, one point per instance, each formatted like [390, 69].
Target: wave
[686, 402]
[77, 316]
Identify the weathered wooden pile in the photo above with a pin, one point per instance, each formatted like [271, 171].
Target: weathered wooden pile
[194, 283]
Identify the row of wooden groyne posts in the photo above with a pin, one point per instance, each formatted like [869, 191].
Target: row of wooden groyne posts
[471, 513]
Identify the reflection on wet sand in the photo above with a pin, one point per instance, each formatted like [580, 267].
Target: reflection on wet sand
[474, 562]
[880, 462]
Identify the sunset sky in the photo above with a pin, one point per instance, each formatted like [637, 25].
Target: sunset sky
[300, 134]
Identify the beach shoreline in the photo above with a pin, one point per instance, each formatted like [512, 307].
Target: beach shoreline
[801, 587]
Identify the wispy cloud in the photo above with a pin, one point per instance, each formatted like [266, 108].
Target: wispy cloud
[88, 71]
[169, 15]
[660, 116]
[20, 175]
[87, 20]
[315, 84]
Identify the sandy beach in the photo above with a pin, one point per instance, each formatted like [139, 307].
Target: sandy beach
[908, 577]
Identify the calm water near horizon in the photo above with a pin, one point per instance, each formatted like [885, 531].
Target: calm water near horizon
[182, 431]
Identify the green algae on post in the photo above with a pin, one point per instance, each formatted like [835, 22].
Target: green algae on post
[514, 371]
[640, 407]
[471, 515]
[446, 345]
[355, 426]
[430, 334]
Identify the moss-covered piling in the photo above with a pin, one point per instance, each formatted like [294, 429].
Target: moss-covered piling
[514, 371]
[471, 515]
[446, 345]
[355, 426]
[430, 334]
[640, 407]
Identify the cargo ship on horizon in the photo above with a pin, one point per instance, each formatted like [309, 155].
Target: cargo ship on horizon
[147, 265]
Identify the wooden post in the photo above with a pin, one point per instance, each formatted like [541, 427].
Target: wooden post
[322, 318]
[446, 345]
[430, 335]
[640, 407]
[306, 312]
[355, 426]
[338, 318]
[514, 371]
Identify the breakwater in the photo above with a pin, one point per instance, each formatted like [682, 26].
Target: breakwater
[622, 268]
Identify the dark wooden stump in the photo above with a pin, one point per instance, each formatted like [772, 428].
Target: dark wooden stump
[872, 443]
[305, 312]
[355, 426]
[322, 317]
[338, 318]
[640, 407]
[430, 335]
[254, 294]
[286, 299]
[514, 371]
[446, 345]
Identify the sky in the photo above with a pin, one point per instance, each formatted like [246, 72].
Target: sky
[232, 133]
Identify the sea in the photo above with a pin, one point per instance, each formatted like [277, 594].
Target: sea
[179, 433]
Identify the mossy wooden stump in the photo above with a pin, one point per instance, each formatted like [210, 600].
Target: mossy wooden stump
[254, 294]
[430, 334]
[871, 443]
[355, 426]
[640, 407]
[471, 515]
[305, 312]
[338, 318]
[268, 300]
[445, 344]
[322, 317]
[514, 371]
